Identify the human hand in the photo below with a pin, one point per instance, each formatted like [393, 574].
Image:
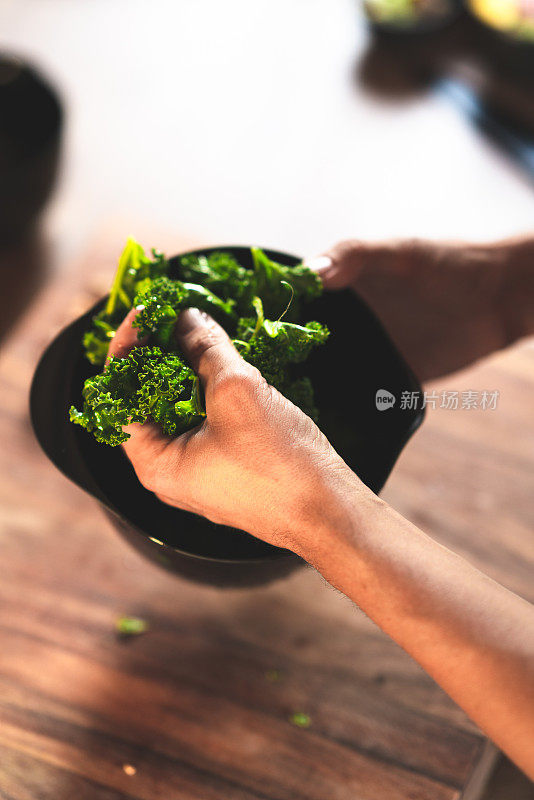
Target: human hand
[444, 305]
[257, 462]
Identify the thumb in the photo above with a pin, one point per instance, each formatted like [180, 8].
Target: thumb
[205, 344]
[125, 338]
[341, 265]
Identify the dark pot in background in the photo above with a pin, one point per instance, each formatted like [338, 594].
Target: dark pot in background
[413, 29]
[507, 55]
[30, 132]
[347, 372]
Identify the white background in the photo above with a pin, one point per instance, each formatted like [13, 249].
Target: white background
[242, 121]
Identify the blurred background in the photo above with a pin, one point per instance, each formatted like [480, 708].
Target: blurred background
[287, 123]
[274, 122]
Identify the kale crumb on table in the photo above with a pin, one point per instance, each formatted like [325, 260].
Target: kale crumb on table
[260, 308]
[300, 720]
[130, 626]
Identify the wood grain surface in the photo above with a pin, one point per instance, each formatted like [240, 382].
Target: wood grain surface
[200, 705]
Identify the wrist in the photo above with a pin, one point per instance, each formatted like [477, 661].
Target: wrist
[341, 507]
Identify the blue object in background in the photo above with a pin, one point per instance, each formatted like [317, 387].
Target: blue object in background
[516, 141]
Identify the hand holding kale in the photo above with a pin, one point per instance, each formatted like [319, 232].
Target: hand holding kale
[255, 463]
[146, 384]
[154, 382]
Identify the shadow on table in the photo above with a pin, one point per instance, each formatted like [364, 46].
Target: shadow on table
[23, 269]
[508, 783]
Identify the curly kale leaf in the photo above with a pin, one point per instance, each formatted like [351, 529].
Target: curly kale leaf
[160, 304]
[284, 342]
[292, 343]
[146, 384]
[224, 276]
[271, 279]
[134, 272]
[221, 274]
[273, 347]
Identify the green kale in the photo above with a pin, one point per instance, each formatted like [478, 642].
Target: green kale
[221, 274]
[134, 272]
[146, 384]
[300, 719]
[130, 626]
[273, 346]
[271, 284]
[154, 382]
[163, 300]
[280, 342]
[224, 276]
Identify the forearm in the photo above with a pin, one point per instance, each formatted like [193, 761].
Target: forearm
[501, 270]
[473, 636]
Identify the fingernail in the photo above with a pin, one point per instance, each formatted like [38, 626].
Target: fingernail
[319, 264]
[191, 318]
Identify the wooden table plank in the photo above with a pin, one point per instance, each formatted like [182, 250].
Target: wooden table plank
[189, 704]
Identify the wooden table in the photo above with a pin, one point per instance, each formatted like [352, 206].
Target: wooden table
[200, 705]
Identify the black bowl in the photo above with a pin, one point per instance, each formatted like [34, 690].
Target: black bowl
[347, 372]
[30, 132]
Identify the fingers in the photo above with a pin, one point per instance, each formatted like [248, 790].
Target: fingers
[125, 338]
[210, 353]
[206, 345]
[341, 265]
